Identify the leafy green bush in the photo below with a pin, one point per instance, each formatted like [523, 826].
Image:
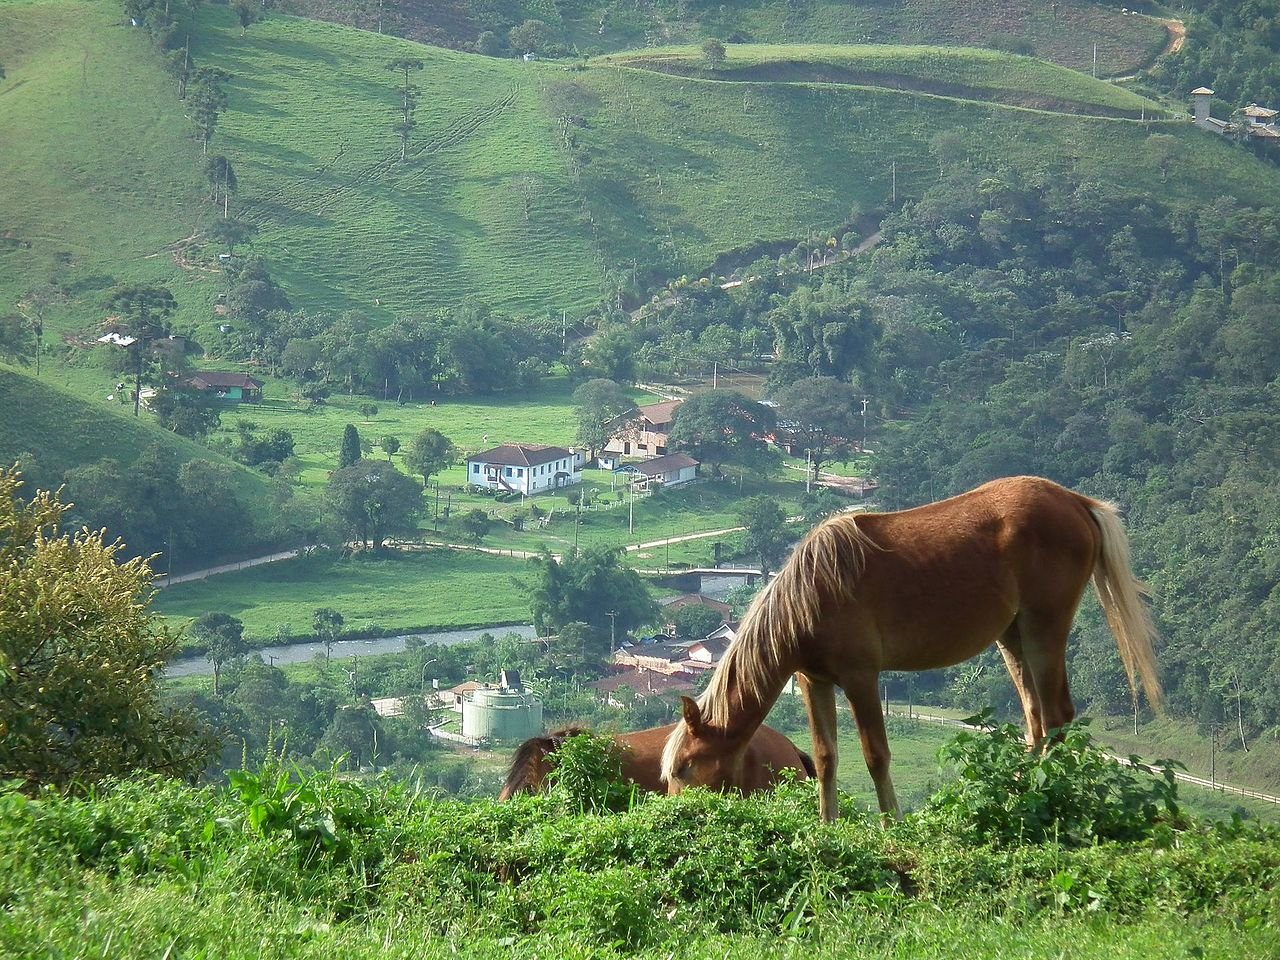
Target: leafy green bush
[1065, 790]
[587, 771]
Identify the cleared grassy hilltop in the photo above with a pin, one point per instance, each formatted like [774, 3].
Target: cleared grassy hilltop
[1064, 32]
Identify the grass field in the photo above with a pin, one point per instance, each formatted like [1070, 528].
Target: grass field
[1064, 32]
[964, 72]
[437, 588]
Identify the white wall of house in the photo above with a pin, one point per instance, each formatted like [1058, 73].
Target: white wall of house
[526, 480]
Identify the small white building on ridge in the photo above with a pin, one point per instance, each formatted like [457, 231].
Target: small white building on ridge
[526, 468]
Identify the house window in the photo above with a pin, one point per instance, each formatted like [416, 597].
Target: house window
[475, 468]
[520, 472]
[507, 472]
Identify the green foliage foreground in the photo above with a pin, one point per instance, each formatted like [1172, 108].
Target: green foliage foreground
[275, 866]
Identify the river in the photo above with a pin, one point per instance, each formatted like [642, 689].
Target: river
[342, 649]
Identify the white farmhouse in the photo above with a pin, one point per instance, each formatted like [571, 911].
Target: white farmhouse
[524, 468]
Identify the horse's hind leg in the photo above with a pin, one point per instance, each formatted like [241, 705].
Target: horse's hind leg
[820, 704]
[863, 691]
[1010, 646]
[1044, 651]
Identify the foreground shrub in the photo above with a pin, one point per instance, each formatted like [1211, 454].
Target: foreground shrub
[1066, 790]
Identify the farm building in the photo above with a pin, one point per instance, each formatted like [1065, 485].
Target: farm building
[669, 471]
[644, 431]
[524, 468]
[234, 387]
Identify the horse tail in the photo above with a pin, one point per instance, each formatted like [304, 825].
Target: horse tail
[527, 772]
[806, 761]
[1121, 595]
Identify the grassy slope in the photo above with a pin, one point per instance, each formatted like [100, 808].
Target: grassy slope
[85, 432]
[985, 73]
[1064, 32]
[668, 172]
[347, 222]
[100, 174]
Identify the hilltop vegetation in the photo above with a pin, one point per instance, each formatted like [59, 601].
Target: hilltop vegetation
[1063, 32]
[947, 71]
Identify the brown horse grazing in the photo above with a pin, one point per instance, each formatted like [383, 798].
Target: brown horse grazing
[914, 590]
[767, 753]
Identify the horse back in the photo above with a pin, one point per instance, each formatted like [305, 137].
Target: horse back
[946, 579]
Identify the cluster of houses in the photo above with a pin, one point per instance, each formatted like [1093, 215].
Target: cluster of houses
[530, 468]
[665, 665]
[1256, 123]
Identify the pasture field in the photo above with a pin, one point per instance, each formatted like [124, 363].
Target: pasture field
[402, 592]
[1064, 32]
[957, 71]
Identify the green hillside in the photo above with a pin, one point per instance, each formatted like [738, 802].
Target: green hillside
[950, 71]
[64, 431]
[527, 185]
[1065, 32]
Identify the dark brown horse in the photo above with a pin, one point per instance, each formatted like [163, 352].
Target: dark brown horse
[1006, 563]
[767, 754]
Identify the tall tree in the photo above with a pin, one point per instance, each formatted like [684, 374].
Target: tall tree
[143, 311]
[821, 415]
[248, 12]
[207, 101]
[374, 500]
[222, 181]
[34, 304]
[408, 99]
[81, 656]
[429, 453]
[599, 405]
[232, 233]
[222, 636]
[17, 339]
[767, 535]
[350, 452]
[327, 623]
[588, 586]
[722, 426]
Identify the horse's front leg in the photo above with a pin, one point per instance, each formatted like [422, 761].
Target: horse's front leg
[863, 690]
[820, 704]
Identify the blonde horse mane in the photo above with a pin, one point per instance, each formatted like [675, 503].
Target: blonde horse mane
[821, 569]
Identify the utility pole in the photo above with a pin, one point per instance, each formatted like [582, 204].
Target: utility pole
[893, 174]
[613, 623]
[865, 401]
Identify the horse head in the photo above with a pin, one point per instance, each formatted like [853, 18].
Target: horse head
[698, 755]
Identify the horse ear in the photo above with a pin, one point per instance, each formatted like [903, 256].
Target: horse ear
[692, 715]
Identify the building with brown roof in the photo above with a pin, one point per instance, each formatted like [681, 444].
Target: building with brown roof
[645, 431]
[668, 471]
[526, 468]
[226, 385]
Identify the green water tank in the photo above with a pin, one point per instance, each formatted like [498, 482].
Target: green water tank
[501, 713]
